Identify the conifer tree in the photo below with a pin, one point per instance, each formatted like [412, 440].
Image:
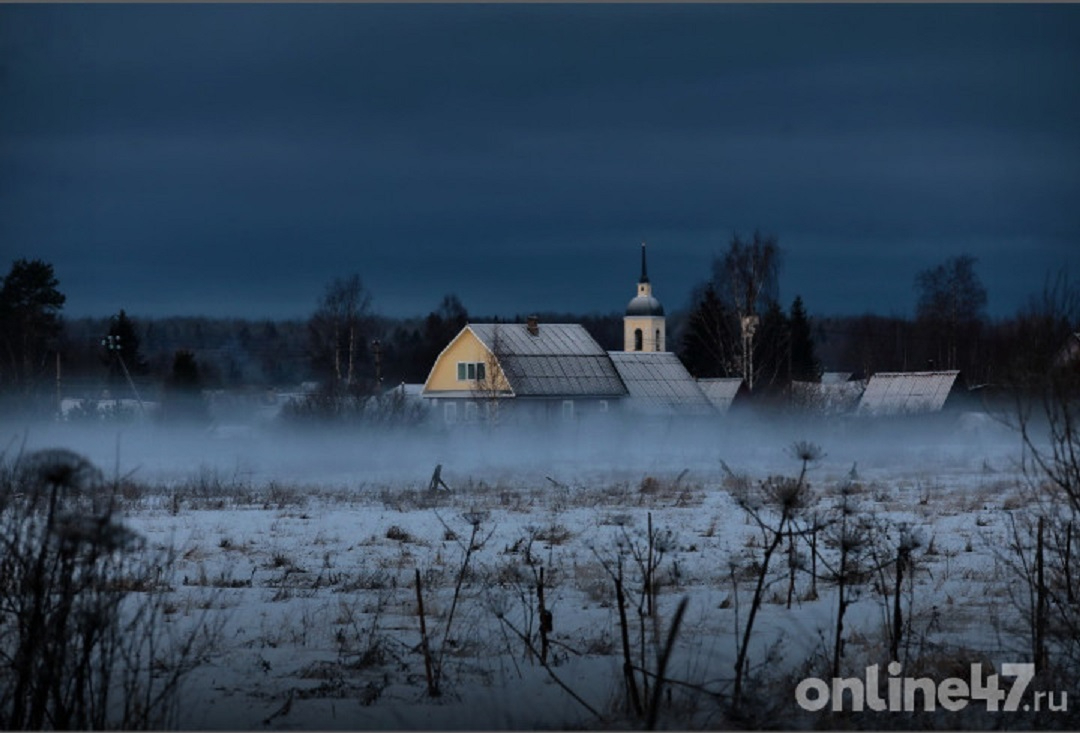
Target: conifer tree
[30, 323]
[805, 366]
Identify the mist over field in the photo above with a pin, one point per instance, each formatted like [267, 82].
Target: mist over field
[600, 448]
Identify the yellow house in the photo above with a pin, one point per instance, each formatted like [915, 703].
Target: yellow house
[559, 370]
[554, 368]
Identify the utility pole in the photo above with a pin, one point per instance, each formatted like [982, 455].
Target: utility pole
[59, 394]
[112, 344]
[376, 347]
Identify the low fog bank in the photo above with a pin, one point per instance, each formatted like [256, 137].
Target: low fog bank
[570, 454]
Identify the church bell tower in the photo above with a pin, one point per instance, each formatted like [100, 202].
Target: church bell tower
[643, 325]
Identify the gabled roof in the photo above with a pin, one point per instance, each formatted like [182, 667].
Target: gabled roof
[562, 376]
[834, 377]
[721, 392]
[409, 390]
[659, 383]
[894, 393]
[560, 360]
[551, 339]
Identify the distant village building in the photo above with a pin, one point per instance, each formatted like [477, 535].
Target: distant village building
[900, 393]
[557, 370]
[658, 384]
[656, 381]
[554, 368]
[723, 392]
[107, 407]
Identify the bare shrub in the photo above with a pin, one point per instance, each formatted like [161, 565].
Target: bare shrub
[774, 505]
[82, 644]
[553, 534]
[397, 534]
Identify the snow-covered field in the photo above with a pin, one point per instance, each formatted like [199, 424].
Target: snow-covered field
[302, 551]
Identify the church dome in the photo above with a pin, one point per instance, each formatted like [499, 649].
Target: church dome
[644, 305]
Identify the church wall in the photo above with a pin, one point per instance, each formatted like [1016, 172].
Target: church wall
[649, 326]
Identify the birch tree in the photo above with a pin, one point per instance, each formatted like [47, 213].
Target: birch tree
[338, 331]
[952, 306]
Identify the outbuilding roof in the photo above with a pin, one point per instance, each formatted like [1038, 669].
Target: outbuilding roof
[721, 392]
[659, 383]
[893, 393]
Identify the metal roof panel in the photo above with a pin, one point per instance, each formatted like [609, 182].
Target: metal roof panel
[893, 393]
[658, 382]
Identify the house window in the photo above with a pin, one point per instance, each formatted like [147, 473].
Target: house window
[637, 339]
[568, 409]
[450, 412]
[603, 406]
[657, 346]
[471, 412]
[471, 371]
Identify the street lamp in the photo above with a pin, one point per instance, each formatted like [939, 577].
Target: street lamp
[114, 346]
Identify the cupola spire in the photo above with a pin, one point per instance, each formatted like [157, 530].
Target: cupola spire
[643, 325]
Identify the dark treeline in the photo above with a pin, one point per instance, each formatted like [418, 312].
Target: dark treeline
[236, 352]
[737, 326]
[345, 343]
[732, 324]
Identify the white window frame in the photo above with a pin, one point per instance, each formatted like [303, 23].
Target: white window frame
[471, 371]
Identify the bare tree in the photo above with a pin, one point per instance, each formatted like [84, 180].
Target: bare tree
[1048, 389]
[750, 272]
[952, 305]
[1038, 338]
[491, 386]
[337, 330]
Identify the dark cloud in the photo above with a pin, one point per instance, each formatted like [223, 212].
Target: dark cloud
[233, 158]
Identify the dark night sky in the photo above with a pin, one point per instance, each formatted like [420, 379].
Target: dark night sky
[231, 159]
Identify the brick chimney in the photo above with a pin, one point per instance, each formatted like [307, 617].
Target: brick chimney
[532, 325]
